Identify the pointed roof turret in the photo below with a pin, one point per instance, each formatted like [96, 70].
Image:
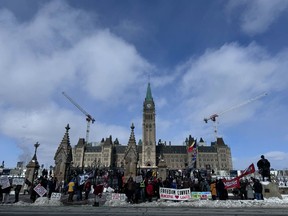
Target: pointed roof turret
[131, 143]
[65, 146]
[148, 93]
[63, 157]
[132, 135]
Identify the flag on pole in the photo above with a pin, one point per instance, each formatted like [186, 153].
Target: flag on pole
[194, 155]
[191, 147]
[248, 170]
[84, 177]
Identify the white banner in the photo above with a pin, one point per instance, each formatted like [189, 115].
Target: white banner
[175, 194]
[116, 196]
[18, 181]
[4, 182]
[56, 196]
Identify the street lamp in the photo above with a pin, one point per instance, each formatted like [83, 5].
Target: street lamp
[36, 145]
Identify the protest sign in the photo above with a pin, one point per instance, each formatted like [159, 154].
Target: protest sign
[40, 190]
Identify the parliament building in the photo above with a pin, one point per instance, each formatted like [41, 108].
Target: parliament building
[146, 153]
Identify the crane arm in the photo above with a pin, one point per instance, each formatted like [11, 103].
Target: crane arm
[214, 116]
[89, 117]
[244, 103]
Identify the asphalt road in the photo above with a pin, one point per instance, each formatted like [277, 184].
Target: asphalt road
[127, 211]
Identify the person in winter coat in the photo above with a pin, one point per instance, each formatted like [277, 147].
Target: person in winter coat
[213, 190]
[150, 190]
[6, 192]
[250, 192]
[52, 186]
[87, 188]
[98, 190]
[243, 189]
[130, 188]
[17, 192]
[258, 189]
[142, 190]
[158, 184]
[222, 192]
[32, 192]
[71, 190]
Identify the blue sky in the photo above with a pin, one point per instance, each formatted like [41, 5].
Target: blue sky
[202, 57]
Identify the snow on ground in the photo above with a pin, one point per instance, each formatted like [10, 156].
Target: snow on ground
[266, 203]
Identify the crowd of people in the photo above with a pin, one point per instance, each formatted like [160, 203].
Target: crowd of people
[148, 188]
[141, 190]
[249, 189]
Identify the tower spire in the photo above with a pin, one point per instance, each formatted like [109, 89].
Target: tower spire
[149, 93]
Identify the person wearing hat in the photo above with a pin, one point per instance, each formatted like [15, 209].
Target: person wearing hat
[264, 168]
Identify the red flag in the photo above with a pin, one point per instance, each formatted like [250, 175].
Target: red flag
[191, 147]
[247, 171]
[233, 183]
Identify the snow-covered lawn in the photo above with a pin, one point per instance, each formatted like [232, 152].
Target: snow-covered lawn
[267, 203]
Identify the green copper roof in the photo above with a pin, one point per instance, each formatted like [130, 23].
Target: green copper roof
[148, 93]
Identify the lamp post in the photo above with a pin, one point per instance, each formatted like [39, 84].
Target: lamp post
[36, 145]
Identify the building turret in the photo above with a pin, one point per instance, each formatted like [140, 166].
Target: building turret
[63, 158]
[131, 157]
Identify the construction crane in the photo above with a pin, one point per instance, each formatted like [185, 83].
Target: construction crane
[89, 118]
[216, 115]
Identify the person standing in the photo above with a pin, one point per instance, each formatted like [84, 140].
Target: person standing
[52, 186]
[213, 190]
[158, 184]
[249, 189]
[264, 168]
[17, 192]
[130, 190]
[98, 190]
[87, 188]
[258, 189]
[142, 190]
[243, 189]
[71, 186]
[222, 191]
[6, 192]
[150, 190]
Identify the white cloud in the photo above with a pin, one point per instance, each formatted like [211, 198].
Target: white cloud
[61, 49]
[109, 65]
[228, 76]
[258, 15]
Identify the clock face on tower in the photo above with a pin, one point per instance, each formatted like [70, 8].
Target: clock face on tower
[148, 105]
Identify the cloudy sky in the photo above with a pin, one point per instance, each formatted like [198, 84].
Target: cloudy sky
[201, 57]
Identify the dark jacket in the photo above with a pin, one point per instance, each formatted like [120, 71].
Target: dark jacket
[257, 187]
